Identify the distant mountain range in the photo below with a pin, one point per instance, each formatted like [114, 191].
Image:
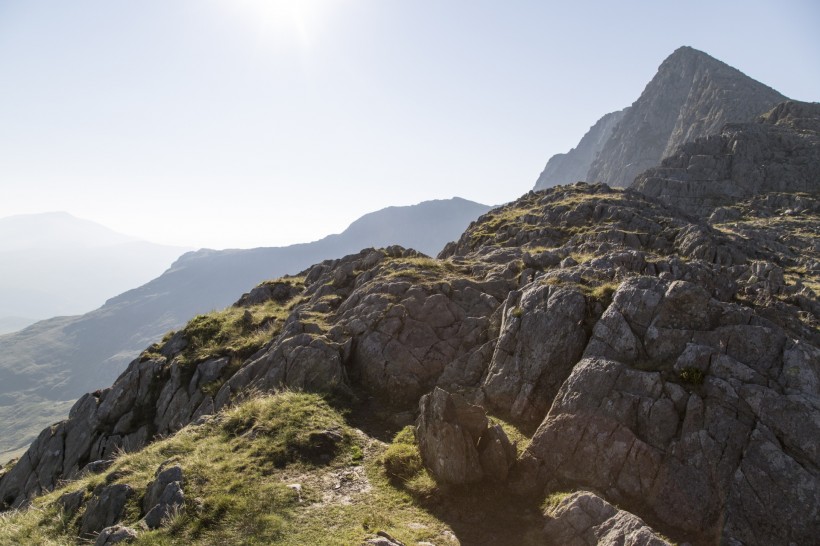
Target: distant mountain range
[692, 95]
[61, 358]
[54, 264]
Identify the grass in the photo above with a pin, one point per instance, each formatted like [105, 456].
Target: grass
[498, 220]
[692, 376]
[237, 471]
[553, 500]
[518, 437]
[236, 332]
[404, 468]
[423, 269]
[402, 461]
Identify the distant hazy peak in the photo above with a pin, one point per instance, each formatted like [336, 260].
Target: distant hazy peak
[55, 230]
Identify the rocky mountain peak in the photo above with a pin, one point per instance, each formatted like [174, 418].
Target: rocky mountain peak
[692, 95]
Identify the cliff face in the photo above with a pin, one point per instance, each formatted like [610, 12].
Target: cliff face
[573, 166]
[692, 95]
[780, 152]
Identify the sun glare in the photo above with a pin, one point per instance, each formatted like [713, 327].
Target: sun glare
[282, 18]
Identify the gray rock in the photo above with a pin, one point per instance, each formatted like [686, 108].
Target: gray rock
[692, 95]
[115, 535]
[164, 477]
[779, 153]
[456, 443]
[105, 508]
[95, 467]
[585, 519]
[71, 502]
[496, 454]
[382, 538]
[171, 500]
[630, 424]
[542, 337]
[448, 431]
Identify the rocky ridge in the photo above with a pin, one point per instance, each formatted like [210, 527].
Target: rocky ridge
[573, 166]
[666, 364]
[780, 152]
[44, 368]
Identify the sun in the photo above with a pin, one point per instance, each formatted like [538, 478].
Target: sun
[282, 17]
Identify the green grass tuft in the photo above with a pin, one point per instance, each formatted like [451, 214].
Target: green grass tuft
[693, 376]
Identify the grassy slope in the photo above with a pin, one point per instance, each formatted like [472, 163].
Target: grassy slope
[237, 469]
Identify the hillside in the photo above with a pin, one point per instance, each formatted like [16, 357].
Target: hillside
[56, 264]
[692, 95]
[46, 366]
[629, 350]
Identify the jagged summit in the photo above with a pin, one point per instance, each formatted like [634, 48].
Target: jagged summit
[692, 95]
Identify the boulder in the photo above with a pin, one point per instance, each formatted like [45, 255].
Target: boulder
[585, 519]
[163, 496]
[456, 443]
[171, 500]
[162, 478]
[115, 535]
[105, 508]
[71, 502]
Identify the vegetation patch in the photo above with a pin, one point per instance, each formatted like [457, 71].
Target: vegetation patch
[553, 500]
[692, 376]
[403, 466]
[241, 472]
[421, 269]
[517, 436]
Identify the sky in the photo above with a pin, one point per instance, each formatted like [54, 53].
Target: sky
[243, 123]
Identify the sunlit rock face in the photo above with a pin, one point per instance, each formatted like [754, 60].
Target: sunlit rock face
[691, 96]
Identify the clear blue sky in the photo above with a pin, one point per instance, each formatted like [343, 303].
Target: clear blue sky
[238, 123]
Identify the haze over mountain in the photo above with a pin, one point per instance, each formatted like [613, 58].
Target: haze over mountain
[60, 358]
[54, 264]
[692, 95]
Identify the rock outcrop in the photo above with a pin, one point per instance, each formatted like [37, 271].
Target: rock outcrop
[106, 507]
[115, 534]
[585, 519]
[457, 442]
[164, 496]
[672, 364]
[698, 412]
[692, 95]
[46, 367]
[779, 153]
